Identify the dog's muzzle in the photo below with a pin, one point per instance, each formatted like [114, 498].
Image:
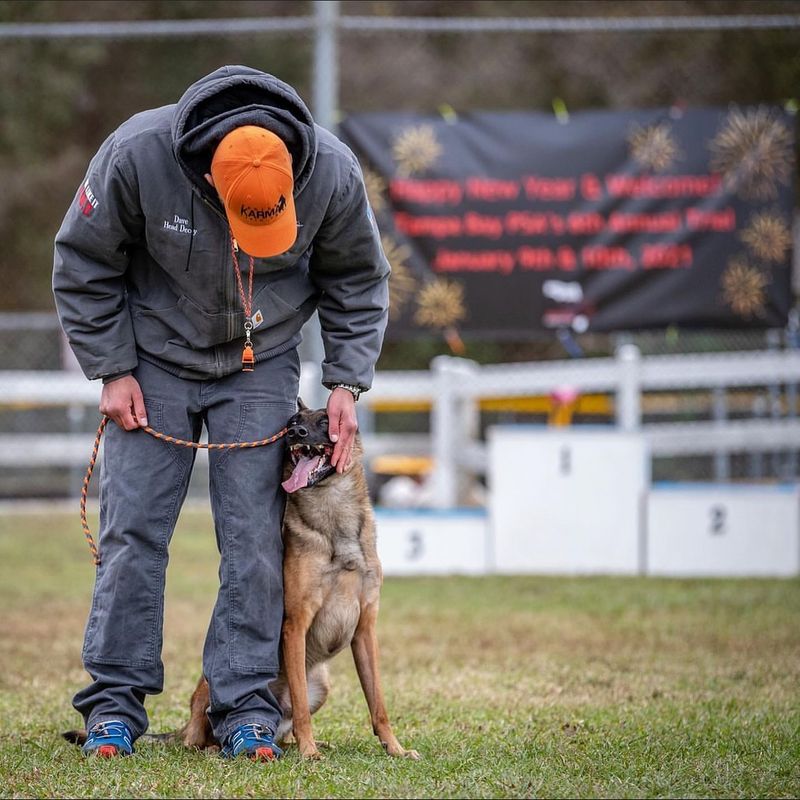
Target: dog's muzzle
[311, 463]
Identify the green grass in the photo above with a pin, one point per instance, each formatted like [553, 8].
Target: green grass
[508, 686]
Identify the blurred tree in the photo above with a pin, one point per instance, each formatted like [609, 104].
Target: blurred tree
[59, 99]
[485, 70]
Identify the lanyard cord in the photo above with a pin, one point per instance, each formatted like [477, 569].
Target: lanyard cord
[248, 357]
[247, 302]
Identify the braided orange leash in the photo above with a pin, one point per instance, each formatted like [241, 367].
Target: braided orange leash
[164, 438]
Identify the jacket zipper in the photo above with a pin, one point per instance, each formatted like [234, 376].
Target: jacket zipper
[228, 290]
[227, 295]
[231, 324]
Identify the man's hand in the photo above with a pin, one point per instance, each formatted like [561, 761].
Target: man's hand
[122, 401]
[342, 427]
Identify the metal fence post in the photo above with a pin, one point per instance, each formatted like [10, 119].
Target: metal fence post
[325, 92]
[774, 394]
[791, 344]
[755, 458]
[326, 62]
[629, 400]
[719, 413]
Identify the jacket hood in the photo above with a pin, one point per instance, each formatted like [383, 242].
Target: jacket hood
[233, 96]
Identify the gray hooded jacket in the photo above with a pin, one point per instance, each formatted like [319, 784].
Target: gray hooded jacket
[143, 263]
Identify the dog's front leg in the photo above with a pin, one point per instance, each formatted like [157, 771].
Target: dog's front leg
[365, 654]
[302, 598]
[295, 628]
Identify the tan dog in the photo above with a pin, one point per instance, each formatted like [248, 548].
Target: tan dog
[332, 579]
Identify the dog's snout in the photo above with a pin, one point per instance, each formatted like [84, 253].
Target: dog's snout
[298, 432]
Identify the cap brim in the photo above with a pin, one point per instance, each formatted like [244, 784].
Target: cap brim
[263, 241]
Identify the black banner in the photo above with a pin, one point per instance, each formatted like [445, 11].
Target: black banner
[508, 223]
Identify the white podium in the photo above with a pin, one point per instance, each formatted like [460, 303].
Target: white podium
[432, 542]
[566, 500]
[726, 530]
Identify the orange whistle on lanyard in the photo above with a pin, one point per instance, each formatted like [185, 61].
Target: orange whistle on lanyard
[248, 359]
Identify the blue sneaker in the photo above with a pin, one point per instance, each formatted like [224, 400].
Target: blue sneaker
[253, 740]
[107, 739]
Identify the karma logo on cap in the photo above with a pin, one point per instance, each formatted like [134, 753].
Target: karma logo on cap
[252, 171]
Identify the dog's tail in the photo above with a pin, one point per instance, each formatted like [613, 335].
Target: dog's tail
[75, 737]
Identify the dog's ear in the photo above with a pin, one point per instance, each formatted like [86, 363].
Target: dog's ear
[301, 406]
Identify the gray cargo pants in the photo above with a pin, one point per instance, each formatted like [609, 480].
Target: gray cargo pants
[143, 485]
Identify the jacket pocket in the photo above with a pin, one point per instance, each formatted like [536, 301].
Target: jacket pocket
[273, 307]
[184, 323]
[281, 297]
[209, 327]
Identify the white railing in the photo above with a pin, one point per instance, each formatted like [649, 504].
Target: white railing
[454, 386]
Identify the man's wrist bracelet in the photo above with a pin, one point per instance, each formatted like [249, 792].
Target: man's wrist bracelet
[354, 390]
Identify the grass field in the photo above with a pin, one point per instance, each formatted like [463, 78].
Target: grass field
[508, 686]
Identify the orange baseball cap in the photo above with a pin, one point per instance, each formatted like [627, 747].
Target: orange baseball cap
[252, 172]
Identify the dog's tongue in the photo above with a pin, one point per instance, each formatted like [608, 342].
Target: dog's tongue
[299, 477]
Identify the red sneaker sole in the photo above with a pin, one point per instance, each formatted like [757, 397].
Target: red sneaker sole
[107, 750]
[263, 754]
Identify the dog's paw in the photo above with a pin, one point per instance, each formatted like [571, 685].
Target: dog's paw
[310, 752]
[396, 750]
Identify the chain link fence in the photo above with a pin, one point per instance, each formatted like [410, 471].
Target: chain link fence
[98, 63]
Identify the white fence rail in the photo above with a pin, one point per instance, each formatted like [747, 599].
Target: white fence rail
[628, 376]
[454, 386]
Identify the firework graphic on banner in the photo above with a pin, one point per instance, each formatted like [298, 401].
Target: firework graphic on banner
[753, 152]
[440, 305]
[744, 288]
[376, 190]
[653, 147]
[767, 236]
[402, 283]
[416, 150]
